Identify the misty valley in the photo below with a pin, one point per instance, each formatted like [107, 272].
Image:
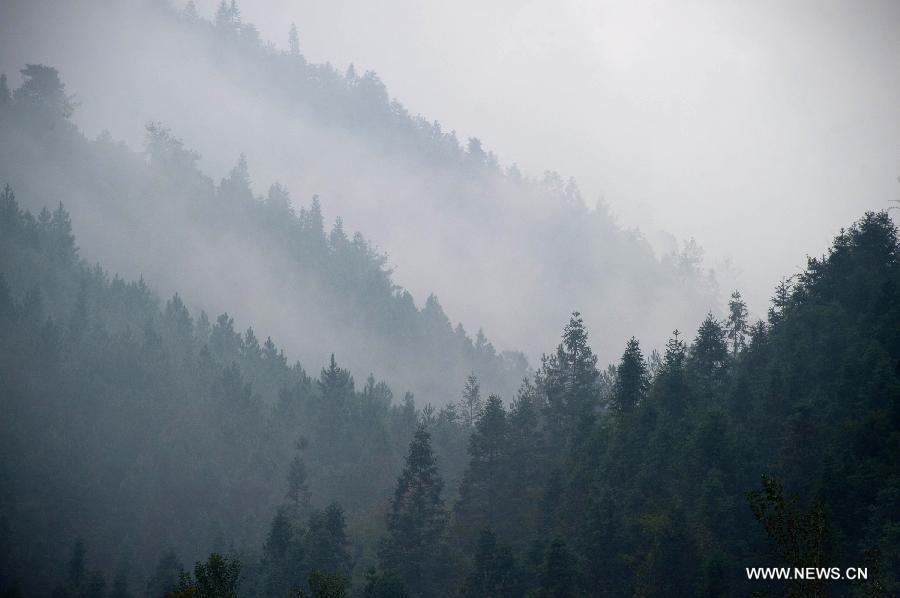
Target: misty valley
[218, 387]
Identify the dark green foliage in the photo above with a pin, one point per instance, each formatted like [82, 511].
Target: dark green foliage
[485, 482]
[202, 453]
[384, 585]
[798, 538]
[632, 378]
[217, 577]
[709, 354]
[414, 547]
[141, 426]
[557, 572]
[325, 585]
[493, 571]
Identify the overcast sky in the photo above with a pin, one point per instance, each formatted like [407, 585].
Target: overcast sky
[760, 128]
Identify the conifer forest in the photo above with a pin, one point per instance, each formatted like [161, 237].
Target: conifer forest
[268, 331]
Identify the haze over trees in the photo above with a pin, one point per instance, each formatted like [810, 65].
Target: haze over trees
[196, 429]
[415, 189]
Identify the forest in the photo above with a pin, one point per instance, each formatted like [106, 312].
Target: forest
[150, 446]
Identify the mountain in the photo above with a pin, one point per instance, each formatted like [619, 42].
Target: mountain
[511, 252]
[157, 214]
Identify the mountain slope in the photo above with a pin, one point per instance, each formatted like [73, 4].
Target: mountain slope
[503, 250]
[157, 214]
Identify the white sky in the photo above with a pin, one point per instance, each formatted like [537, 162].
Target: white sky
[758, 127]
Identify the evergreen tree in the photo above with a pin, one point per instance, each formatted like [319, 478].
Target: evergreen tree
[217, 577]
[632, 378]
[190, 12]
[328, 547]
[493, 572]
[414, 547]
[293, 41]
[781, 299]
[479, 504]
[43, 90]
[285, 555]
[235, 189]
[471, 404]
[736, 325]
[709, 353]
[580, 365]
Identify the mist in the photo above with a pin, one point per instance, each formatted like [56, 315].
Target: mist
[403, 300]
[203, 93]
[727, 122]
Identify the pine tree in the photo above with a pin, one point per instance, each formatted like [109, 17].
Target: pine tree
[414, 547]
[471, 404]
[235, 190]
[673, 361]
[736, 325]
[217, 577]
[579, 368]
[781, 299]
[223, 17]
[279, 199]
[479, 503]
[293, 41]
[326, 539]
[493, 572]
[632, 378]
[43, 90]
[709, 353]
[190, 12]
[671, 384]
[336, 387]
[283, 556]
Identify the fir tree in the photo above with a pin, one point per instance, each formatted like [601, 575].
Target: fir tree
[632, 378]
[580, 365]
[471, 403]
[479, 504]
[493, 571]
[709, 353]
[736, 325]
[414, 547]
[293, 41]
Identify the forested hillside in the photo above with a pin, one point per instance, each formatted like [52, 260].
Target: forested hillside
[138, 430]
[211, 387]
[323, 288]
[450, 213]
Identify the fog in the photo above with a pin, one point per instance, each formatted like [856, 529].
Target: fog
[757, 130]
[432, 299]
[731, 122]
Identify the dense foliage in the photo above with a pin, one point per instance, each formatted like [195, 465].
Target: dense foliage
[146, 212]
[139, 435]
[137, 428]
